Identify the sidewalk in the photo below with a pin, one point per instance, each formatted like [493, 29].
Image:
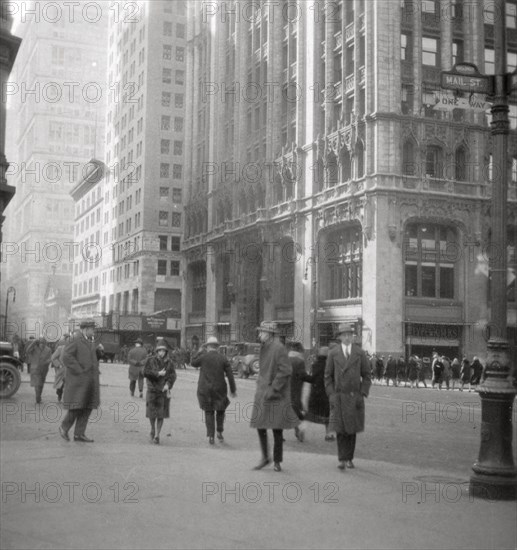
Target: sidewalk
[123, 492]
[172, 497]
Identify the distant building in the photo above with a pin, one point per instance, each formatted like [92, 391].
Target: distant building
[9, 45]
[327, 183]
[88, 199]
[143, 195]
[56, 122]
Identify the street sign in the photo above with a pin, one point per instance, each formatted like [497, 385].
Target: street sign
[445, 101]
[465, 77]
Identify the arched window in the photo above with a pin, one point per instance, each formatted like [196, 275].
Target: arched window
[288, 254]
[359, 152]
[460, 164]
[408, 158]
[332, 170]
[342, 267]
[289, 184]
[433, 162]
[430, 256]
[346, 165]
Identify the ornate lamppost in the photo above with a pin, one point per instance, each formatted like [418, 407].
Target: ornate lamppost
[495, 475]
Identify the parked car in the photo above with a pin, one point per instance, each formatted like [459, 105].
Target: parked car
[244, 358]
[10, 368]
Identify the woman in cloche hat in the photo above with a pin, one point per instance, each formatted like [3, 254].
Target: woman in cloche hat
[161, 375]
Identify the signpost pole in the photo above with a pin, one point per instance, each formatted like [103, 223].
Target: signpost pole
[495, 475]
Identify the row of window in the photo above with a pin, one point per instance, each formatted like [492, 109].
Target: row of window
[431, 53]
[167, 29]
[163, 219]
[174, 268]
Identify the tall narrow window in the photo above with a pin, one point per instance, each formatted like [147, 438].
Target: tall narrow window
[460, 164]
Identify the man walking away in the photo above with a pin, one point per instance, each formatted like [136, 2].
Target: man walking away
[272, 405]
[347, 382]
[82, 391]
[137, 357]
[212, 390]
[38, 354]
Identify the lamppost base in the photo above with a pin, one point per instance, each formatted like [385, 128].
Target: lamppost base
[493, 487]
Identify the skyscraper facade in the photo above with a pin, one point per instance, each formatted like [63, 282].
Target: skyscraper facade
[331, 179]
[143, 193]
[56, 125]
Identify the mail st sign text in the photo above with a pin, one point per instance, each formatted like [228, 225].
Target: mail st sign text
[465, 77]
[463, 83]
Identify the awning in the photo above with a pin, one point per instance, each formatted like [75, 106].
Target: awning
[440, 323]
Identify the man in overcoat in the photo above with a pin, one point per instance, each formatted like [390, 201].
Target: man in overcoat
[82, 392]
[347, 382]
[38, 354]
[272, 409]
[137, 357]
[212, 390]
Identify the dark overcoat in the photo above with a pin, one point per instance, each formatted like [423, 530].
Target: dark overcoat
[82, 373]
[298, 377]
[319, 408]
[212, 390]
[347, 383]
[136, 357]
[272, 407]
[39, 356]
[157, 403]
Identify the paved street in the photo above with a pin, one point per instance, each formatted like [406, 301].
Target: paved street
[409, 488]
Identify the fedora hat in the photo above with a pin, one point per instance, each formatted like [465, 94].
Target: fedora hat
[345, 327]
[212, 341]
[87, 323]
[268, 326]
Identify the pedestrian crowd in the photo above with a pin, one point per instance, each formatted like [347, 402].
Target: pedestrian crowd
[442, 370]
[340, 380]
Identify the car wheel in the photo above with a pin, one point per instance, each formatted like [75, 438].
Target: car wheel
[255, 367]
[10, 380]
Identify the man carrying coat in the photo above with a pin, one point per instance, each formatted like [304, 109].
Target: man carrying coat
[347, 382]
[82, 393]
[272, 407]
[212, 391]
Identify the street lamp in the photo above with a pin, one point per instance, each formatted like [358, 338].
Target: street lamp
[10, 290]
[495, 475]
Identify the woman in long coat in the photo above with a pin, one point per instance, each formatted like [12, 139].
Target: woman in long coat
[465, 373]
[161, 375]
[318, 406]
[272, 409]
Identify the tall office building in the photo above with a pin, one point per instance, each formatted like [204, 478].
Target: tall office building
[330, 178]
[143, 194]
[57, 122]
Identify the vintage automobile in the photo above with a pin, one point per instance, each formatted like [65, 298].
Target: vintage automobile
[10, 368]
[244, 358]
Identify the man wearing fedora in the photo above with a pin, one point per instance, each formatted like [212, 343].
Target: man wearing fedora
[82, 393]
[272, 409]
[347, 382]
[212, 390]
[137, 357]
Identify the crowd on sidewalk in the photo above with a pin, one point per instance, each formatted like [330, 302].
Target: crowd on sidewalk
[440, 372]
